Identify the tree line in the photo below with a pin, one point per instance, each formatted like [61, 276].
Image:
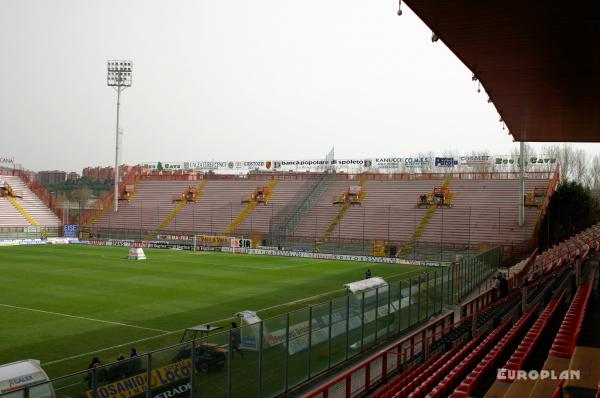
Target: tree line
[575, 204]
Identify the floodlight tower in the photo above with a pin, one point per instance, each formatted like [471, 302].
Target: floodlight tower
[119, 78]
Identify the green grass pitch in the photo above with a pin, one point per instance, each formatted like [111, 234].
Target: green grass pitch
[64, 304]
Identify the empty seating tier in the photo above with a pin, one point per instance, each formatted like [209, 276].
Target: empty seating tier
[10, 216]
[566, 339]
[27, 210]
[457, 367]
[397, 384]
[483, 212]
[489, 364]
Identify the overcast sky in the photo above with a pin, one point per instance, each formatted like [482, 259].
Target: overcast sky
[232, 80]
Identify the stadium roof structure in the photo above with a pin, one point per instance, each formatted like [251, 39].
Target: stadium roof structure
[538, 61]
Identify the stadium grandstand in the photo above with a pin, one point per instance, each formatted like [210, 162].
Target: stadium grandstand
[27, 210]
[307, 211]
[485, 312]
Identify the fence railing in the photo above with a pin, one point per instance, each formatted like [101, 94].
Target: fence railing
[472, 271]
[376, 369]
[272, 356]
[552, 186]
[9, 233]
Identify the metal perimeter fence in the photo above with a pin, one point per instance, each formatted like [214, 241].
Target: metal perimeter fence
[398, 232]
[9, 233]
[275, 355]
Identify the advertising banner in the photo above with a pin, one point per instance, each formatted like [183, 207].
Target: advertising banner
[259, 165]
[174, 237]
[243, 246]
[213, 240]
[60, 241]
[476, 160]
[205, 165]
[7, 162]
[385, 163]
[515, 160]
[167, 166]
[120, 243]
[237, 242]
[11, 242]
[70, 230]
[417, 162]
[24, 242]
[445, 162]
[249, 165]
[388, 163]
[54, 241]
[174, 374]
[343, 257]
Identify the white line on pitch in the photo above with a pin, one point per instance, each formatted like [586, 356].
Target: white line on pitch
[130, 343]
[68, 386]
[109, 348]
[83, 318]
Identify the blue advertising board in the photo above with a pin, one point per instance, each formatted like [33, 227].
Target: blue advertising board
[70, 230]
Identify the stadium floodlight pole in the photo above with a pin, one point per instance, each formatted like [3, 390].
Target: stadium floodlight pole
[118, 77]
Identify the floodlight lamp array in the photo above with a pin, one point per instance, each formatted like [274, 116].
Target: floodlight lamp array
[119, 73]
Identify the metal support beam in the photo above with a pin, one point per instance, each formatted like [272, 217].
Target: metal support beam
[119, 78]
[117, 151]
[522, 183]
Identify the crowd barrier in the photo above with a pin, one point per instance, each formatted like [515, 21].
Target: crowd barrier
[377, 368]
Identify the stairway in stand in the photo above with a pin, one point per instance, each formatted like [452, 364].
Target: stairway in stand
[22, 210]
[248, 209]
[425, 220]
[181, 205]
[29, 205]
[341, 213]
